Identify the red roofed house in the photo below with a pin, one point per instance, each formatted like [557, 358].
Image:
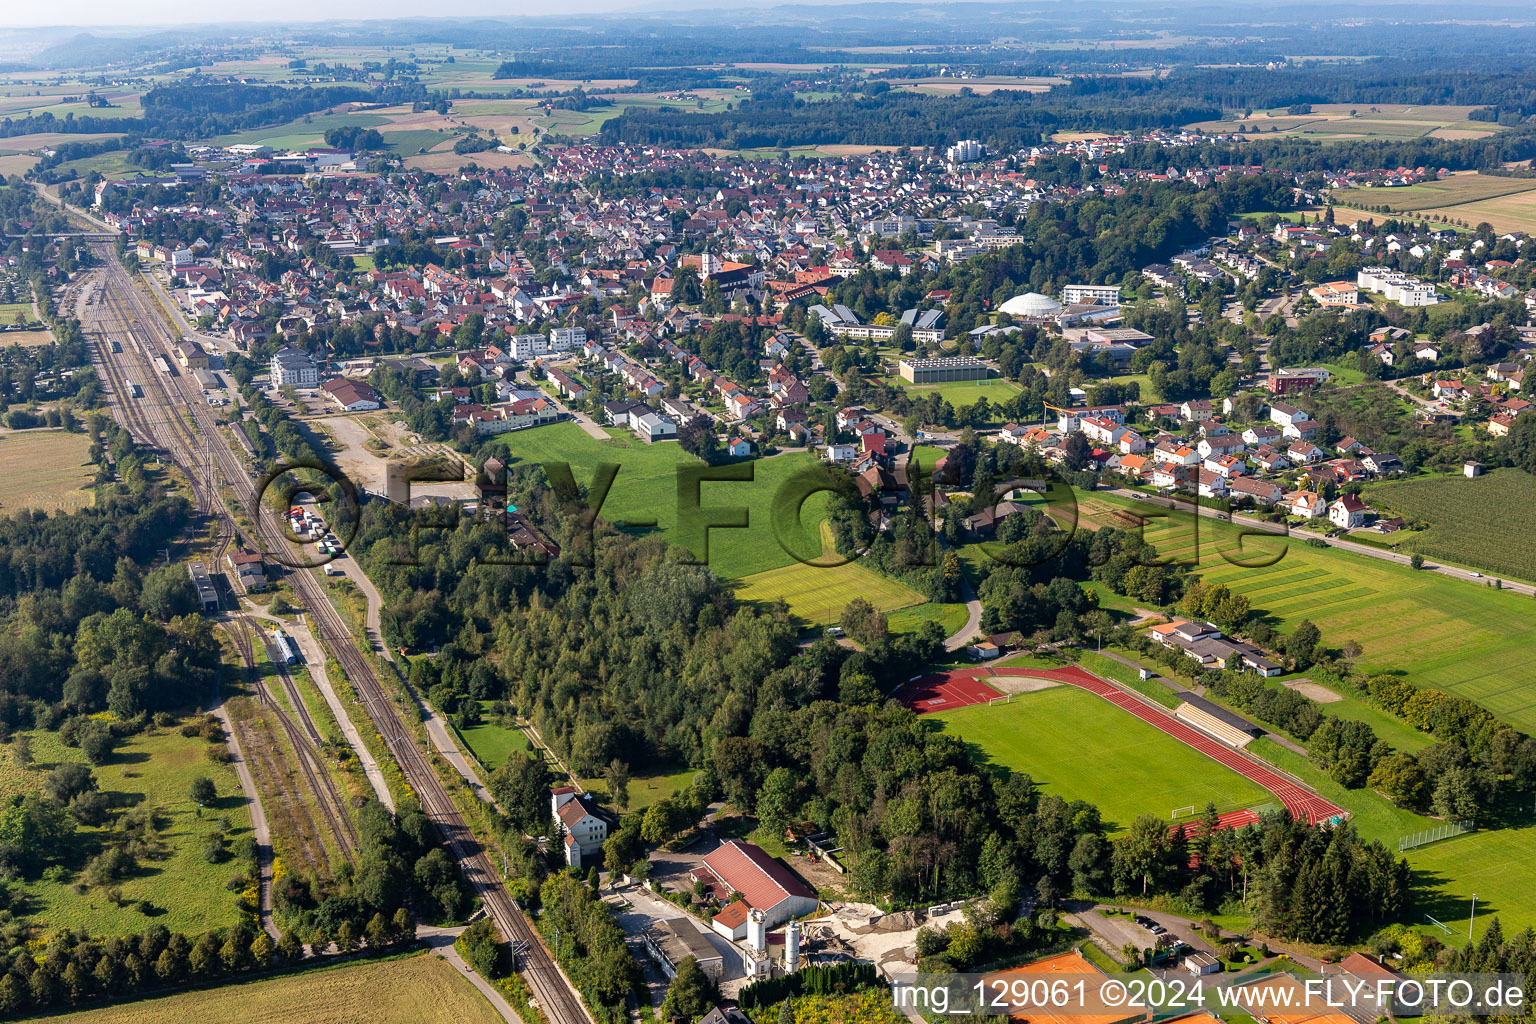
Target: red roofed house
[764, 884]
[583, 831]
[352, 395]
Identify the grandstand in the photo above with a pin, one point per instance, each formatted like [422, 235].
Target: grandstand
[1212, 726]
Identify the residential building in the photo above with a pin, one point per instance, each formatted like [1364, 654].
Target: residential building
[294, 368]
[1347, 511]
[583, 827]
[1098, 294]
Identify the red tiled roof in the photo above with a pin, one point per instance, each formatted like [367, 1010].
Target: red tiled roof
[732, 916]
[749, 870]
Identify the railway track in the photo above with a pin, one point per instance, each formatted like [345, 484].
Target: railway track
[158, 425]
[552, 991]
[307, 743]
[297, 810]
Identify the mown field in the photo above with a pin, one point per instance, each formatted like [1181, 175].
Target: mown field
[1079, 746]
[1458, 188]
[644, 790]
[44, 469]
[1444, 633]
[816, 594]
[962, 392]
[421, 989]
[491, 743]
[1489, 863]
[1328, 122]
[645, 490]
[1462, 530]
[950, 617]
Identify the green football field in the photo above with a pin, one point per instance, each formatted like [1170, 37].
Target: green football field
[1081, 747]
[646, 491]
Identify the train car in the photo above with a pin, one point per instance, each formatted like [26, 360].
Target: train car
[287, 653]
[117, 346]
[134, 391]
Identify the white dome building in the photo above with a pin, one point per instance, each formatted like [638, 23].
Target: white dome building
[1031, 304]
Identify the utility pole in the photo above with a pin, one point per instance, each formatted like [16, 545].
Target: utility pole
[1471, 917]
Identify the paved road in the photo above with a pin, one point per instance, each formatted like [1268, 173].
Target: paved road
[962, 636]
[584, 421]
[442, 735]
[1279, 529]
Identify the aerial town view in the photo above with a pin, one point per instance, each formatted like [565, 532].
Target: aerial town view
[823, 513]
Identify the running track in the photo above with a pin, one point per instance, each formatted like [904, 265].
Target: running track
[964, 687]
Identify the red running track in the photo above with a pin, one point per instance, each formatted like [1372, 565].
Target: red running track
[1302, 803]
[944, 692]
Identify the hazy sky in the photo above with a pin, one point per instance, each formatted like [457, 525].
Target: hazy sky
[173, 13]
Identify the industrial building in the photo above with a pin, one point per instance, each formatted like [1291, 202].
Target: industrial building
[207, 595]
[670, 941]
[943, 369]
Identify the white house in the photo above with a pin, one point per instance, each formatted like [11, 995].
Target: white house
[1347, 511]
[582, 832]
[1307, 504]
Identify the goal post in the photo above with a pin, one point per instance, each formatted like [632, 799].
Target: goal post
[1179, 812]
[1006, 698]
[1448, 830]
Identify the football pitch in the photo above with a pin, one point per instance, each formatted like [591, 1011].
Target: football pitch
[1080, 747]
[644, 496]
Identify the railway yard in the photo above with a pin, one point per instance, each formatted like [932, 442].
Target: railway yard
[132, 342]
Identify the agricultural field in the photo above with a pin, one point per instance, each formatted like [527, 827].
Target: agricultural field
[1335, 121]
[185, 892]
[644, 494]
[1465, 187]
[816, 594]
[982, 85]
[421, 989]
[16, 163]
[44, 469]
[1079, 746]
[1514, 212]
[1460, 529]
[1443, 633]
